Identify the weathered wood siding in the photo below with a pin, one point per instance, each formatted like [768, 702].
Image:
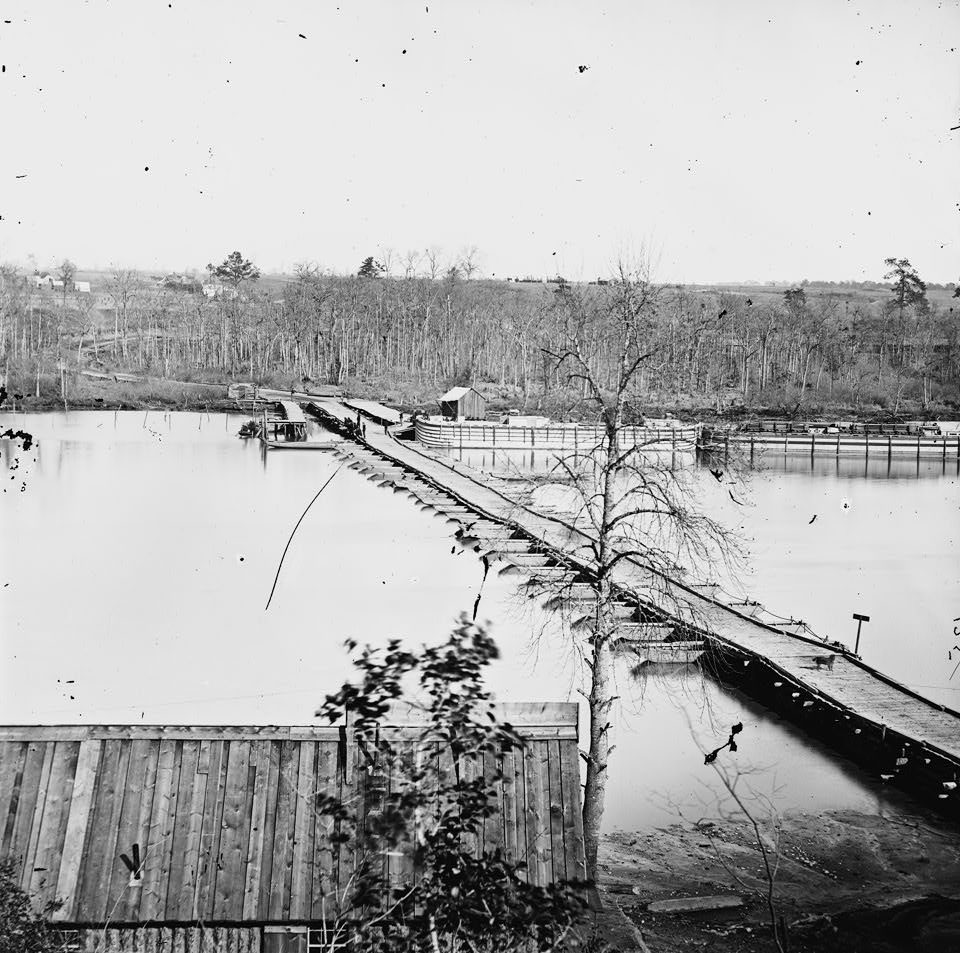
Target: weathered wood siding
[172, 940]
[225, 819]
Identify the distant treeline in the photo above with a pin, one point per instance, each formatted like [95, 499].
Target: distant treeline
[888, 346]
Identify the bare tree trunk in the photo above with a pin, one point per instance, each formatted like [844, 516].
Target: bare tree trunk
[599, 702]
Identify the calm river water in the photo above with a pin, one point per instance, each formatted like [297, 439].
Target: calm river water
[138, 551]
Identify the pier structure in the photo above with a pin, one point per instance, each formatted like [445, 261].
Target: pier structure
[479, 434]
[282, 421]
[820, 442]
[894, 732]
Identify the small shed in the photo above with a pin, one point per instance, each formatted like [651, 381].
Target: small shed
[463, 402]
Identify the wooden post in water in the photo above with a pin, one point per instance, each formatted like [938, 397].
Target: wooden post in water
[813, 444]
[889, 448]
[918, 446]
[860, 620]
[866, 434]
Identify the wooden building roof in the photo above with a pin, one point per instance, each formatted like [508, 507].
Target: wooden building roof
[223, 818]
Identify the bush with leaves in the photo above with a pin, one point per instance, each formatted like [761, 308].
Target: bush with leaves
[427, 797]
[21, 929]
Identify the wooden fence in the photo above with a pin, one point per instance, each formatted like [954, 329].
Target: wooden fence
[479, 435]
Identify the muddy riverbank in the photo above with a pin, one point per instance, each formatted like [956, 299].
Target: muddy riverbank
[844, 881]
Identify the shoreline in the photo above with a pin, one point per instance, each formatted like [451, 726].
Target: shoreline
[196, 396]
[843, 878]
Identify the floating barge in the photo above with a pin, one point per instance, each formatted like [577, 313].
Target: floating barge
[478, 434]
[823, 442]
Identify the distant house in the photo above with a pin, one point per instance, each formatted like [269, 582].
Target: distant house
[43, 281]
[463, 402]
[177, 282]
[82, 287]
[212, 290]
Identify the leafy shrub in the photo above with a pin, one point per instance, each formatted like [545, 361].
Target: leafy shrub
[21, 929]
[427, 799]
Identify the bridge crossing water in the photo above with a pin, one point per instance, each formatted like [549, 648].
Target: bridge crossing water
[894, 732]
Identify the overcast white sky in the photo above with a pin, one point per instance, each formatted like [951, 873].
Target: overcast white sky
[738, 140]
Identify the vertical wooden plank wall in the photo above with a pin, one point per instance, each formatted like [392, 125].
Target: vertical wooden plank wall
[227, 825]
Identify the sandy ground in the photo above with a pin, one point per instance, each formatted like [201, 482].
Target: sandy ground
[846, 882]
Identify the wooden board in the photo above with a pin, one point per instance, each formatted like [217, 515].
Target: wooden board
[536, 782]
[228, 829]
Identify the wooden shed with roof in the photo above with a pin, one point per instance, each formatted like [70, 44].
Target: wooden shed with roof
[463, 402]
[166, 838]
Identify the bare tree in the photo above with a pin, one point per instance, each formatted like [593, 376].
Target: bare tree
[468, 263]
[643, 524]
[85, 321]
[434, 266]
[123, 287]
[410, 261]
[765, 825]
[66, 273]
[388, 259]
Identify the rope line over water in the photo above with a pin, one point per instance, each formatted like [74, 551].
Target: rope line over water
[295, 528]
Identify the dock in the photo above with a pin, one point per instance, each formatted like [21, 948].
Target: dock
[895, 733]
[219, 827]
[282, 418]
[867, 444]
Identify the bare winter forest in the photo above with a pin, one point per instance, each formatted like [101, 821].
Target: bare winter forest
[885, 347]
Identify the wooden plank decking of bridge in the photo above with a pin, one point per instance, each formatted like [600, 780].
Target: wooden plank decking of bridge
[292, 411]
[224, 819]
[849, 687]
[375, 411]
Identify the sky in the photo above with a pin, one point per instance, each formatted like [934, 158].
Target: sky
[754, 140]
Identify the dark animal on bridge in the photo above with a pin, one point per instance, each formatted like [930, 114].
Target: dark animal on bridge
[824, 661]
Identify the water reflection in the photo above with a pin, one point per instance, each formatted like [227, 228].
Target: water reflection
[832, 536]
[871, 468]
[138, 562]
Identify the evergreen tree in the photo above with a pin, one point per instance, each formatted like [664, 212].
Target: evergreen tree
[370, 268]
[234, 270]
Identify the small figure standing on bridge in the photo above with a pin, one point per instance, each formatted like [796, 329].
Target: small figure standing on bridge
[386, 427]
[363, 431]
